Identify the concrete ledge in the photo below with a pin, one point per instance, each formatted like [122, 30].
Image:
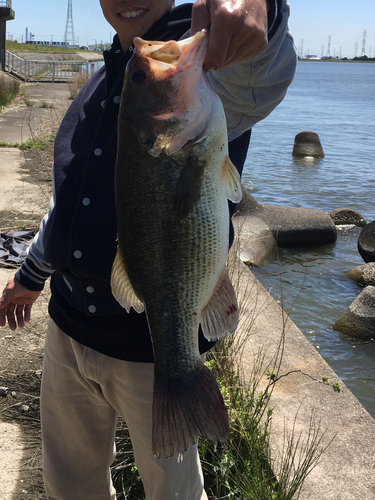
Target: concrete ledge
[347, 468]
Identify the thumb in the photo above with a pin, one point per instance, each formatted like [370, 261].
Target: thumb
[200, 16]
[7, 295]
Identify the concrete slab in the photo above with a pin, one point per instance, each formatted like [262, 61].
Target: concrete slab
[46, 92]
[347, 468]
[39, 105]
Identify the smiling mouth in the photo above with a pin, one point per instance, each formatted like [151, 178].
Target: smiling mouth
[133, 14]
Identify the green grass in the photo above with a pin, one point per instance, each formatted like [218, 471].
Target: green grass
[38, 142]
[27, 47]
[9, 88]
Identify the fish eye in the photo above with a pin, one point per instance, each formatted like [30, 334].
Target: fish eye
[138, 76]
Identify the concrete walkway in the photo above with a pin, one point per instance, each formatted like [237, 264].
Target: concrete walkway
[37, 105]
[300, 399]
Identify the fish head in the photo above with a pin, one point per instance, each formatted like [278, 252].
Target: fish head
[163, 94]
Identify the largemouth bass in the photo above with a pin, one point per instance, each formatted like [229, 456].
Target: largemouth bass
[173, 179]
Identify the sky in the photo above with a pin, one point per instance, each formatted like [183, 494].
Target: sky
[312, 22]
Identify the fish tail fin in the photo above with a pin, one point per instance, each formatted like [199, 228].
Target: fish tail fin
[186, 408]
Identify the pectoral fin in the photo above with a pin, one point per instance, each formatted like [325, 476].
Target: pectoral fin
[220, 316]
[231, 181]
[121, 287]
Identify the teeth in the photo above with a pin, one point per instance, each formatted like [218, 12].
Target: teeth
[135, 13]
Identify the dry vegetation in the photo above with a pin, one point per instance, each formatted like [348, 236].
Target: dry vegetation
[76, 84]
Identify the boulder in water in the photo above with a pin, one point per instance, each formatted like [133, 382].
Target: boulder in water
[359, 319]
[364, 275]
[366, 242]
[307, 143]
[347, 216]
[260, 227]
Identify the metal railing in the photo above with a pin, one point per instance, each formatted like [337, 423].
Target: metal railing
[47, 71]
[6, 3]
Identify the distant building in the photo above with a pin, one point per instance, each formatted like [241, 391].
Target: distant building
[52, 44]
[313, 58]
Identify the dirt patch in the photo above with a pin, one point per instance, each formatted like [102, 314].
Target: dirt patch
[20, 407]
[21, 352]
[34, 174]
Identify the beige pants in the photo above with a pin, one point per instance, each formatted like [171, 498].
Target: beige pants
[82, 393]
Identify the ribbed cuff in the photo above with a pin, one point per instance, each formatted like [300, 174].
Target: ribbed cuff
[31, 277]
[273, 23]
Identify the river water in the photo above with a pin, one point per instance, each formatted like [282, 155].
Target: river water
[337, 101]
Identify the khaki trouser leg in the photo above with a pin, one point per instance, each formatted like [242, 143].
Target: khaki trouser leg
[82, 392]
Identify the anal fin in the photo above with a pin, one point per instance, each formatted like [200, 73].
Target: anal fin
[220, 316]
[121, 287]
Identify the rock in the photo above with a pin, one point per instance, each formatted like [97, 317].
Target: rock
[364, 275]
[24, 408]
[359, 319]
[260, 227]
[307, 144]
[343, 216]
[299, 227]
[248, 204]
[255, 239]
[3, 392]
[366, 242]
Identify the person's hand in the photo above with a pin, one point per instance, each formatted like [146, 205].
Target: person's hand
[15, 304]
[238, 29]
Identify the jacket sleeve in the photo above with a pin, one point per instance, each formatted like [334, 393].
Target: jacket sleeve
[35, 270]
[251, 89]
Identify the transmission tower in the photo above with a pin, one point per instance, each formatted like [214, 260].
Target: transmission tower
[69, 28]
[329, 47]
[364, 43]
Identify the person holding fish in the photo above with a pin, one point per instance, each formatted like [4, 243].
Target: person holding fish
[135, 241]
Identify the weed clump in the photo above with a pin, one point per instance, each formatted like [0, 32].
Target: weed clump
[9, 88]
[75, 84]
